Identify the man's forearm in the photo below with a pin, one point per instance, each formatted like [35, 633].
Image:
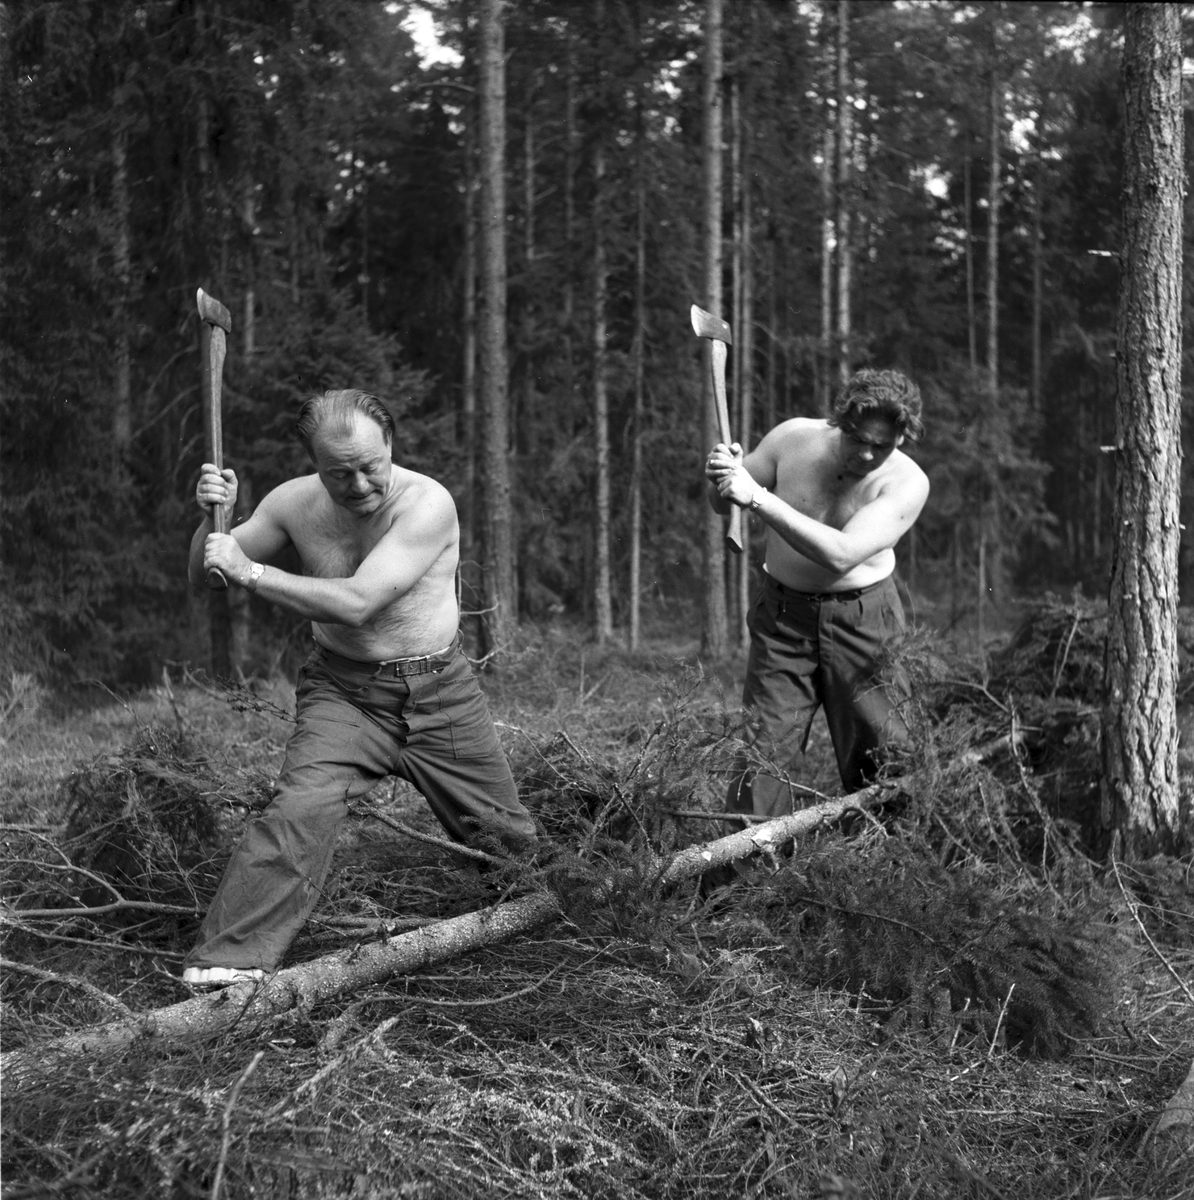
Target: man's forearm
[822, 544]
[336, 601]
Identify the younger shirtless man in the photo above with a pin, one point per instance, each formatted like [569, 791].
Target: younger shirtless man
[836, 495]
[387, 690]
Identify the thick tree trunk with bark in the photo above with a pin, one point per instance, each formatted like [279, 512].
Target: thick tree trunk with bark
[496, 487]
[714, 632]
[1139, 811]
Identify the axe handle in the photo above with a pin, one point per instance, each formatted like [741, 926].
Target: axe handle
[717, 361]
[213, 348]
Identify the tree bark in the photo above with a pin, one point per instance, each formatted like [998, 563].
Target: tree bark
[746, 391]
[469, 533]
[1176, 1123]
[122, 402]
[714, 632]
[842, 190]
[1139, 810]
[638, 362]
[603, 624]
[496, 486]
[971, 317]
[993, 193]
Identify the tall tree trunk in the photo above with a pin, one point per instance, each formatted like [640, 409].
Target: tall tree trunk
[603, 625]
[971, 314]
[122, 395]
[1139, 811]
[471, 582]
[496, 489]
[773, 339]
[1038, 248]
[994, 190]
[248, 322]
[828, 240]
[569, 219]
[746, 393]
[714, 631]
[735, 614]
[638, 353]
[844, 143]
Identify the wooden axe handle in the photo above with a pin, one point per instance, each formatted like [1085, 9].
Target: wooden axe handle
[213, 347]
[717, 362]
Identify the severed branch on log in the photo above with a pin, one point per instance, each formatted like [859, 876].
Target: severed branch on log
[1175, 1126]
[246, 1005]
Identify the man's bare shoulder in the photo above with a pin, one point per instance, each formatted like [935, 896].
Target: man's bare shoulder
[418, 491]
[907, 472]
[295, 495]
[799, 429]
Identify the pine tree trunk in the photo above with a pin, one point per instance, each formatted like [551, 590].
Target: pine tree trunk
[496, 488]
[603, 625]
[1139, 811]
[746, 396]
[971, 315]
[638, 362]
[714, 630]
[122, 395]
[844, 140]
[470, 578]
[1038, 254]
[993, 193]
[825, 356]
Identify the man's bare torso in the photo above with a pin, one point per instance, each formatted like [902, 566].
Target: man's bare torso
[333, 543]
[810, 476]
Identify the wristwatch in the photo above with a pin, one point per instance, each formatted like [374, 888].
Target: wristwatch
[256, 570]
[757, 499]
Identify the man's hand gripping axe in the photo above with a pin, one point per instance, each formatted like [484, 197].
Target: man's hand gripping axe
[215, 322]
[706, 325]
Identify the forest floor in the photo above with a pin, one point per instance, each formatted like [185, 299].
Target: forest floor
[949, 1000]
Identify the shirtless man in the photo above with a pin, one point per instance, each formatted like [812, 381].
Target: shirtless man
[835, 495]
[387, 690]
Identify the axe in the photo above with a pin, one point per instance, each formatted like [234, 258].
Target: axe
[706, 325]
[215, 322]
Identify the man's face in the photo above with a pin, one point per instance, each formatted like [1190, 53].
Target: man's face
[354, 465]
[868, 444]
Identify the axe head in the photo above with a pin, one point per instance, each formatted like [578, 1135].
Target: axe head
[706, 325]
[213, 312]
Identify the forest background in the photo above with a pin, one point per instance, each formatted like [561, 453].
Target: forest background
[932, 187]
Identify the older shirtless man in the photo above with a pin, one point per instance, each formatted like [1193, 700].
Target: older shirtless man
[387, 690]
[835, 495]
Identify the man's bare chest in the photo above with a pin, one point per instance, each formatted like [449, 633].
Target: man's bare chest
[822, 493]
[331, 552]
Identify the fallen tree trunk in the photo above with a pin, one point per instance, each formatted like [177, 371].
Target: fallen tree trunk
[1176, 1124]
[246, 1005]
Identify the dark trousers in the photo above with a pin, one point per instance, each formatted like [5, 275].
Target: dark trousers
[426, 722]
[812, 650]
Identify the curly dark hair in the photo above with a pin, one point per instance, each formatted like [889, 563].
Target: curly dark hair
[337, 407]
[889, 394]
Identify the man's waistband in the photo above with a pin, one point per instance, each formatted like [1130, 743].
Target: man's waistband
[782, 589]
[392, 668]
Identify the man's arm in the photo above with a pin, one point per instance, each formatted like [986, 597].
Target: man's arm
[261, 537]
[407, 551]
[874, 527]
